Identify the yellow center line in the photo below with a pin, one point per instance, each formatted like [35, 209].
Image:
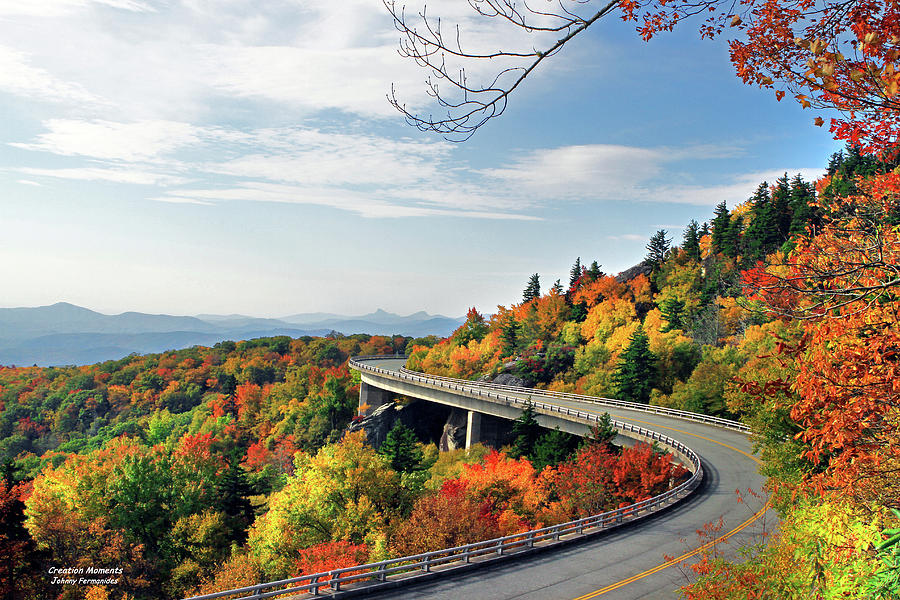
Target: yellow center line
[686, 555]
[677, 559]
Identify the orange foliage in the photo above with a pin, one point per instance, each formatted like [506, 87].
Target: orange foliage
[848, 362]
[330, 555]
[596, 291]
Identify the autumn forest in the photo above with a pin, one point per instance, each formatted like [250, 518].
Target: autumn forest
[204, 469]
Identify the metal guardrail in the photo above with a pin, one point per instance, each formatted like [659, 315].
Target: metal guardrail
[379, 571]
[648, 408]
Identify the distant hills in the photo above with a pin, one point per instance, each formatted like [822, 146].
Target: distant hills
[65, 334]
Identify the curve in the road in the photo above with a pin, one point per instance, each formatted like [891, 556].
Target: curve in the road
[634, 560]
[644, 562]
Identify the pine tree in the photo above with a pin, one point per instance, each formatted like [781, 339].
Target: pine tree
[720, 226]
[234, 500]
[557, 287]
[733, 245]
[533, 289]
[579, 312]
[691, 243]
[636, 370]
[509, 335]
[553, 448]
[657, 250]
[802, 213]
[401, 448]
[594, 271]
[672, 310]
[781, 206]
[604, 432]
[575, 273]
[525, 432]
[762, 235]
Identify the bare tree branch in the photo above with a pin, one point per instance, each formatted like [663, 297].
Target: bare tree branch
[469, 104]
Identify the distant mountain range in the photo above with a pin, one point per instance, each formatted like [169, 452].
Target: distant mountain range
[65, 334]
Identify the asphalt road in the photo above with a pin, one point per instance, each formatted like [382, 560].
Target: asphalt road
[628, 563]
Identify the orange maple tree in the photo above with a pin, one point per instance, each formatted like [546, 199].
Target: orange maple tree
[845, 283]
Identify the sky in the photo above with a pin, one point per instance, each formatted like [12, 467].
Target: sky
[237, 156]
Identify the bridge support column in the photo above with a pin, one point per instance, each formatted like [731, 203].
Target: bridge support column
[371, 397]
[473, 428]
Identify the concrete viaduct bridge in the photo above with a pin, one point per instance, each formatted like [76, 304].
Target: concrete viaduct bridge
[630, 553]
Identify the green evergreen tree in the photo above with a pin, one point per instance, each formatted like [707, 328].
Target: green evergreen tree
[781, 206]
[604, 432]
[657, 250]
[401, 448]
[636, 369]
[762, 235]
[672, 310]
[533, 289]
[575, 273]
[691, 243]
[734, 239]
[557, 287]
[803, 214]
[579, 312]
[594, 271]
[509, 335]
[234, 500]
[553, 448]
[525, 432]
[721, 224]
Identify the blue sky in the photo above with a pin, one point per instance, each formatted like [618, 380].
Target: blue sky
[191, 156]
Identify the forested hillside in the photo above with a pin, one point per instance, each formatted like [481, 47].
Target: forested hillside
[783, 313]
[203, 469]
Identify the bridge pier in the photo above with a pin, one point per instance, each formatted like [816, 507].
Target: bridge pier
[371, 397]
[473, 428]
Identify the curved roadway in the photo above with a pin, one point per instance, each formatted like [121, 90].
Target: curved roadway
[630, 562]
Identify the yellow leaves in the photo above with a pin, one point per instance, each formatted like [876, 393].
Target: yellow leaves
[736, 20]
[803, 100]
[817, 46]
[856, 75]
[801, 43]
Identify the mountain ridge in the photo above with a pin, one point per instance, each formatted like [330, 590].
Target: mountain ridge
[65, 333]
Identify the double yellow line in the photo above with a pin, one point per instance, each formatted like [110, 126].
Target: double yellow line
[686, 555]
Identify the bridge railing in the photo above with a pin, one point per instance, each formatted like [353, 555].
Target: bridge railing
[357, 362]
[315, 583]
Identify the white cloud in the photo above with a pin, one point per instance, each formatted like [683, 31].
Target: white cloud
[350, 79]
[364, 204]
[18, 76]
[316, 157]
[55, 8]
[603, 172]
[735, 190]
[583, 171]
[143, 140]
[115, 175]
[29, 182]
[181, 200]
